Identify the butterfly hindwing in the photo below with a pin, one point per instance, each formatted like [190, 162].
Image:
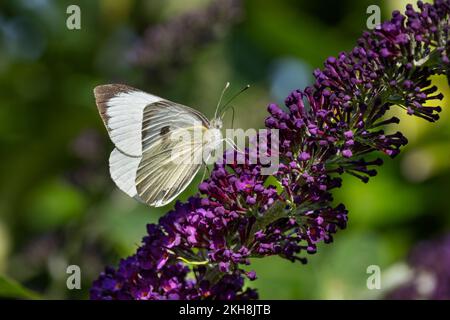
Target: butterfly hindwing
[123, 170]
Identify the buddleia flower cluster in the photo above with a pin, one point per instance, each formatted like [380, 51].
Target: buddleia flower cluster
[202, 248]
[172, 43]
[429, 262]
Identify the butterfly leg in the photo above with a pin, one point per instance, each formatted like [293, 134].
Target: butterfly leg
[206, 168]
[233, 145]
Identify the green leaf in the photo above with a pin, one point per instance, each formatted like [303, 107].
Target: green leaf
[188, 257]
[447, 73]
[194, 263]
[395, 98]
[432, 60]
[275, 212]
[272, 181]
[10, 288]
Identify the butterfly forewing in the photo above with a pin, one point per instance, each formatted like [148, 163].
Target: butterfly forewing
[121, 108]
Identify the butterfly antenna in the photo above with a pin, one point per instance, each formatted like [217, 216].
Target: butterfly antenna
[232, 117]
[224, 107]
[220, 99]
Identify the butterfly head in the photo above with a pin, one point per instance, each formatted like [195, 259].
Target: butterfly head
[216, 123]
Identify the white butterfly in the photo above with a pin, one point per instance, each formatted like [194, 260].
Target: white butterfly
[147, 162]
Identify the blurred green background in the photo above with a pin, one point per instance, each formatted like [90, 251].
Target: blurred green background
[58, 205]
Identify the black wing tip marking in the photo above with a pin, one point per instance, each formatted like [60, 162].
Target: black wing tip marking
[103, 93]
[112, 89]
